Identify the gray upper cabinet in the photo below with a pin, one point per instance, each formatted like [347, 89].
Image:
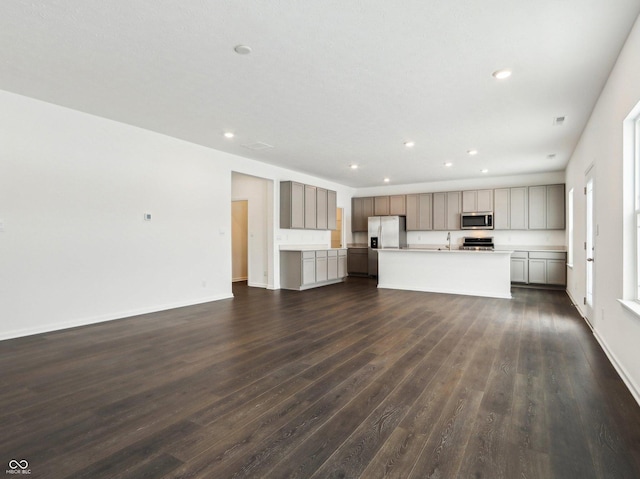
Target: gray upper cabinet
[518, 208]
[291, 205]
[306, 207]
[454, 208]
[439, 211]
[361, 209]
[477, 200]
[321, 208]
[446, 210]
[501, 209]
[397, 205]
[332, 206]
[546, 207]
[310, 202]
[381, 205]
[555, 207]
[510, 208]
[419, 212]
[537, 207]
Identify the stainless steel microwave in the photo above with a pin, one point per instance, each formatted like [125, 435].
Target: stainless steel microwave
[482, 220]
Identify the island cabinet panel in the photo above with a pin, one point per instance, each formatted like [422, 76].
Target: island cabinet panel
[310, 211]
[321, 209]
[361, 210]
[291, 205]
[381, 206]
[446, 210]
[501, 209]
[397, 205]
[332, 207]
[518, 208]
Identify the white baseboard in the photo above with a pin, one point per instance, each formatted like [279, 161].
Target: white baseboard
[47, 328]
[257, 285]
[633, 388]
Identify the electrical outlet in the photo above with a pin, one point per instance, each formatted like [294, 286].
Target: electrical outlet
[147, 216]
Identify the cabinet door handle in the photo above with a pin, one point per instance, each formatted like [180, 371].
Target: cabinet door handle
[590, 260]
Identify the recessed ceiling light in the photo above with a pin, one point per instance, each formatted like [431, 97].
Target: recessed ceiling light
[485, 171]
[409, 144]
[353, 167]
[387, 180]
[448, 164]
[472, 152]
[501, 74]
[229, 134]
[242, 49]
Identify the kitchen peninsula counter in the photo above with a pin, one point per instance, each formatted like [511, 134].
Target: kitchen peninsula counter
[473, 273]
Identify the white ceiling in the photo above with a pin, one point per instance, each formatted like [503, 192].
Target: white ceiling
[330, 82]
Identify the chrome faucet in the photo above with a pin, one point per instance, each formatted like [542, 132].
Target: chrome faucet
[449, 239]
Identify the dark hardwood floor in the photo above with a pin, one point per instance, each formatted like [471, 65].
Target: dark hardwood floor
[344, 381]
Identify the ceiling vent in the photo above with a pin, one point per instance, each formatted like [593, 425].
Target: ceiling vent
[559, 120]
[258, 145]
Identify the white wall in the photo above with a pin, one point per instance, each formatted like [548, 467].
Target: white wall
[74, 247]
[601, 145]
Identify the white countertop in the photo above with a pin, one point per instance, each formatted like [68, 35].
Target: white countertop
[436, 250]
[308, 248]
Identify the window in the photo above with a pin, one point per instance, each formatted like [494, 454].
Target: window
[631, 212]
[636, 169]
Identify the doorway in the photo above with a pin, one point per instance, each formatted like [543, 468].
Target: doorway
[591, 232]
[239, 240]
[336, 235]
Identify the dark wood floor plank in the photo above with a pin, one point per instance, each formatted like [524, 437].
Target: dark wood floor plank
[342, 381]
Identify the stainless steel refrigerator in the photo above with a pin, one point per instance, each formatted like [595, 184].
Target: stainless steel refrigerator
[385, 232]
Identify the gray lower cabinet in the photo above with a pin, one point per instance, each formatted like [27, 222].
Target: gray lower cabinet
[301, 270]
[342, 263]
[358, 261]
[539, 267]
[321, 266]
[520, 267]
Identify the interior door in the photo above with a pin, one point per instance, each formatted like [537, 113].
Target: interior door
[590, 246]
[239, 240]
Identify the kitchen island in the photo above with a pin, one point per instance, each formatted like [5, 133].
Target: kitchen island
[473, 273]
